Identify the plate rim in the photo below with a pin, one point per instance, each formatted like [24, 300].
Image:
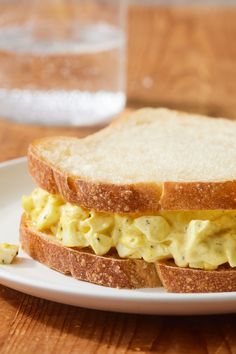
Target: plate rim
[124, 294]
[13, 161]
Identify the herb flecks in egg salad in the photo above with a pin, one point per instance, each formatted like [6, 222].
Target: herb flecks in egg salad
[196, 239]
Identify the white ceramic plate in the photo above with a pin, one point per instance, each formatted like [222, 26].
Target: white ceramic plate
[33, 278]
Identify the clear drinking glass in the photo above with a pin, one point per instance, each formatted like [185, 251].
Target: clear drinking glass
[62, 62]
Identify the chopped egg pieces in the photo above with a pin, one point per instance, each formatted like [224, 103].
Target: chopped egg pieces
[7, 253]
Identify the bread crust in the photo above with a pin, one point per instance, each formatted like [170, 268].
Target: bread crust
[84, 265]
[199, 195]
[100, 196]
[131, 198]
[115, 272]
[187, 280]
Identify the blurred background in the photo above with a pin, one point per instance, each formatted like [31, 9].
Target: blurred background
[63, 64]
[182, 54]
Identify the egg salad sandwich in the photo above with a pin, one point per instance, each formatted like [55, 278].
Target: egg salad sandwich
[151, 197]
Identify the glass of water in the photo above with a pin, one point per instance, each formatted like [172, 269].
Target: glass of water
[62, 62]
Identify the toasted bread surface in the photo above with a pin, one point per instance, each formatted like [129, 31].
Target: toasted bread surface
[154, 159]
[83, 264]
[187, 280]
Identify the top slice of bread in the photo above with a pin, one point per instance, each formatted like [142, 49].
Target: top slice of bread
[150, 160]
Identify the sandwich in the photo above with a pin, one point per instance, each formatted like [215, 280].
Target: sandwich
[148, 201]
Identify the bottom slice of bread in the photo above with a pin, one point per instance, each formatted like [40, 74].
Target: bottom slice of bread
[187, 280]
[112, 271]
[85, 265]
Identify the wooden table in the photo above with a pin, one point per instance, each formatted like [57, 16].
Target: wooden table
[178, 57]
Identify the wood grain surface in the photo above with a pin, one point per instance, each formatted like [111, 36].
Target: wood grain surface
[181, 58]
[15, 138]
[31, 325]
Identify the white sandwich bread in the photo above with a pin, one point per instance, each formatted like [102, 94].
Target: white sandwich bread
[149, 200]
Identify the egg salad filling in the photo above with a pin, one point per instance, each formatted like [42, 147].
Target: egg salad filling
[196, 239]
[8, 252]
